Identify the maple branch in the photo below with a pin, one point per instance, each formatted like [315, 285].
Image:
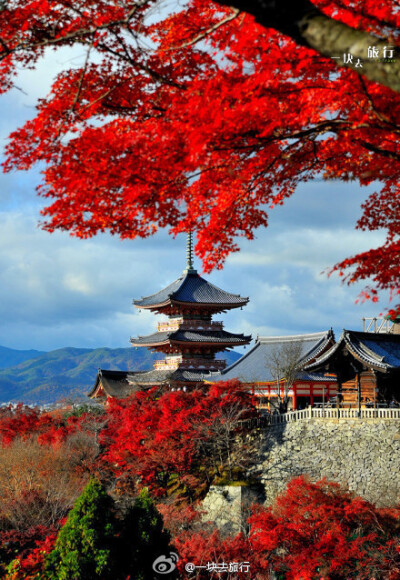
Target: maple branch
[375, 149]
[95, 101]
[235, 13]
[140, 66]
[81, 79]
[81, 33]
[308, 26]
[383, 118]
[331, 125]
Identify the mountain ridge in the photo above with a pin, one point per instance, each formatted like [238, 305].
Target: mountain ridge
[69, 372]
[11, 356]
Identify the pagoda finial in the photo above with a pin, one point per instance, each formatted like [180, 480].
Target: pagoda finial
[189, 254]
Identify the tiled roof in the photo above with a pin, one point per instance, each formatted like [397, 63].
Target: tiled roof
[192, 288]
[121, 384]
[314, 377]
[159, 377]
[253, 366]
[213, 336]
[114, 383]
[380, 351]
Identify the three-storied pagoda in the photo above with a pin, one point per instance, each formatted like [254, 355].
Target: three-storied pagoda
[189, 338]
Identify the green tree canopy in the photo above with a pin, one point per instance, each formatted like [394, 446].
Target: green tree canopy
[84, 547]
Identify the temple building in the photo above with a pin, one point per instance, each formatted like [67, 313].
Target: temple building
[189, 338]
[367, 367]
[262, 368]
[362, 368]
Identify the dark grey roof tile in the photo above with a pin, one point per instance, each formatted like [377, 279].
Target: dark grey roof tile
[253, 366]
[215, 336]
[380, 351]
[192, 288]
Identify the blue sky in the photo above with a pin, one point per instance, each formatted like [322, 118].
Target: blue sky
[59, 291]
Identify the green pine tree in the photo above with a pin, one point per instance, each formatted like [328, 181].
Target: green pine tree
[84, 547]
[142, 540]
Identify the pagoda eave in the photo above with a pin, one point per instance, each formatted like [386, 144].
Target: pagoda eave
[217, 344]
[215, 308]
[150, 344]
[152, 307]
[220, 307]
[211, 343]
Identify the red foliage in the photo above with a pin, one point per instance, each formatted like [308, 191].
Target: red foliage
[311, 532]
[27, 549]
[213, 552]
[155, 437]
[218, 121]
[319, 531]
[50, 429]
[22, 421]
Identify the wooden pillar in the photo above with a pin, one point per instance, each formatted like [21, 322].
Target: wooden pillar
[294, 397]
[311, 395]
[359, 393]
[339, 396]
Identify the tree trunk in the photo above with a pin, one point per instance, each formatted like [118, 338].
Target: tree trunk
[307, 26]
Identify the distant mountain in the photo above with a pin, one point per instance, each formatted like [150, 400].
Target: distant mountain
[10, 357]
[69, 372]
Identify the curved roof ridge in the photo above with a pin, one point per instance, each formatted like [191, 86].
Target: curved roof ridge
[289, 338]
[320, 359]
[193, 336]
[369, 351]
[252, 367]
[170, 286]
[377, 350]
[372, 335]
[361, 350]
[192, 288]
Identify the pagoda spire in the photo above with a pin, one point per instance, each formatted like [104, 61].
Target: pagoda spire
[189, 254]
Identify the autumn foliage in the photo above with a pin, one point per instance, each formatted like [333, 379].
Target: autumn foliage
[201, 119]
[176, 444]
[313, 531]
[180, 440]
[45, 461]
[320, 531]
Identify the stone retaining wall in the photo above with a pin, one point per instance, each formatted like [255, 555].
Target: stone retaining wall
[229, 507]
[362, 454]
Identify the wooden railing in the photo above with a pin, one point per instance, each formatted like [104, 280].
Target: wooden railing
[315, 413]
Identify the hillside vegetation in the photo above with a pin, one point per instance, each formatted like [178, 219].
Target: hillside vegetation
[66, 372]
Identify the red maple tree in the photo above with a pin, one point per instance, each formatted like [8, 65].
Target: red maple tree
[312, 531]
[318, 530]
[204, 119]
[179, 441]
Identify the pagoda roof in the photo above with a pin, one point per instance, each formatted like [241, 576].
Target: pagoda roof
[159, 377]
[379, 351]
[192, 336]
[121, 384]
[253, 366]
[113, 383]
[192, 289]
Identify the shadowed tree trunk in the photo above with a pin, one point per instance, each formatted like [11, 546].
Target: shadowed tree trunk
[308, 26]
